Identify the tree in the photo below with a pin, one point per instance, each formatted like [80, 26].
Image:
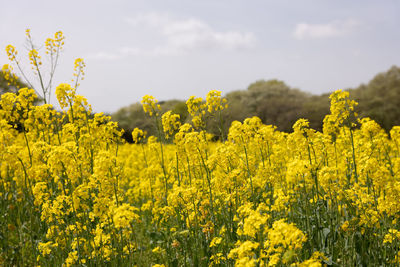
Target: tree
[380, 98]
[276, 103]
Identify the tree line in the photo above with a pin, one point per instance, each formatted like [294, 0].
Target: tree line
[276, 103]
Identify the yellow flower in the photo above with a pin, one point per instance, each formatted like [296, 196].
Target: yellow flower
[215, 241]
[170, 123]
[391, 236]
[65, 94]
[215, 102]
[45, 248]
[9, 75]
[195, 105]
[11, 52]
[345, 226]
[124, 215]
[150, 105]
[138, 135]
[34, 58]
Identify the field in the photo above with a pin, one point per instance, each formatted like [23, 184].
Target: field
[73, 193]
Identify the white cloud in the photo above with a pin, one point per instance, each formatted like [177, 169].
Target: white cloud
[189, 34]
[103, 56]
[175, 37]
[328, 30]
[130, 51]
[151, 19]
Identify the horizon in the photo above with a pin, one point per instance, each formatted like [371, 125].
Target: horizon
[291, 88]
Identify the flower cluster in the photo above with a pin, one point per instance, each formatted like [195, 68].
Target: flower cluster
[150, 105]
[79, 71]
[9, 75]
[215, 102]
[171, 123]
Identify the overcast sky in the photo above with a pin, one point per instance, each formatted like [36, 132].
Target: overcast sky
[178, 48]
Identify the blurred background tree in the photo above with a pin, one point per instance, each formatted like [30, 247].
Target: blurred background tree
[278, 104]
[380, 98]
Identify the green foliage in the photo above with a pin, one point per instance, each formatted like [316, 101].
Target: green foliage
[276, 103]
[380, 98]
[315, 109]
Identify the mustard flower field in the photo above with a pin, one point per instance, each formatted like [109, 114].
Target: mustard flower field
[73, 193]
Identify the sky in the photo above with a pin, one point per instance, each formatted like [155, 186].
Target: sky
[173, 49]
